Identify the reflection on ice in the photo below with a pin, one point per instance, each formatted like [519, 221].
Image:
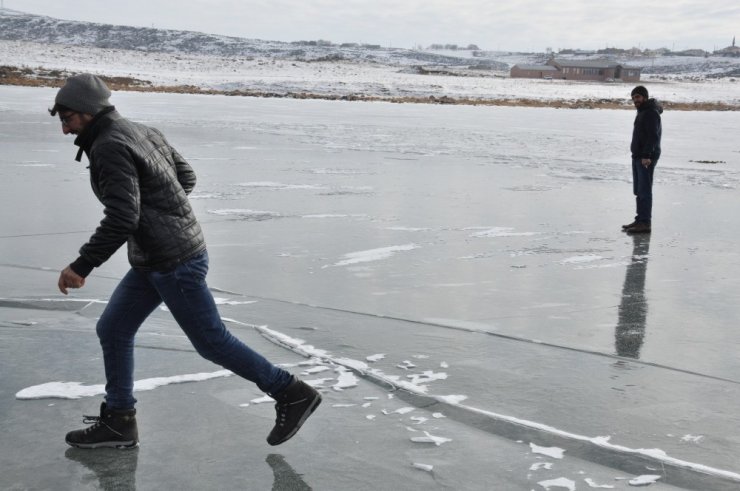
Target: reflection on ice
[114, 469]
[285, 477]
[633, 307]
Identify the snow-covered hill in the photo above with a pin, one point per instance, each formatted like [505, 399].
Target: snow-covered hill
[41, 51]
[19, 26]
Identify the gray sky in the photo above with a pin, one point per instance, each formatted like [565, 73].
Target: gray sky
[523, 25]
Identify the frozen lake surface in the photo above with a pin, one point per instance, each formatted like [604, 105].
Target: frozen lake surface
[470, 256]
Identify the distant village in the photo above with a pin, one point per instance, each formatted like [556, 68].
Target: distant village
[593, 65]
[605, 69]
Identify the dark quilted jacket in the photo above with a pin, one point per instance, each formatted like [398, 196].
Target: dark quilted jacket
[647, 131]
[143, 184]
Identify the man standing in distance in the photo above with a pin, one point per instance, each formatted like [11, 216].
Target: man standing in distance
[143, 184]
[645, 154]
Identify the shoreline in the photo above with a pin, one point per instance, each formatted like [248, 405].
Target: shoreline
[15, 76]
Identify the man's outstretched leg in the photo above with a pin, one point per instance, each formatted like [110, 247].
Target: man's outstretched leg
[186, 294]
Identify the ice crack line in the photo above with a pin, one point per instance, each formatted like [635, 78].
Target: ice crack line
[597, 449]
[489, 333]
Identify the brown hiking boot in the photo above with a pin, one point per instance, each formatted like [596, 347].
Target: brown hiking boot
[639, 228]
[629, 225]
[293, 407]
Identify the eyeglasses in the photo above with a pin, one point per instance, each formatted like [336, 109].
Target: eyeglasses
[66, 119]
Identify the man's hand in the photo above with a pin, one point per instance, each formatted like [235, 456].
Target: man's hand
[646, 163]
[70, 279]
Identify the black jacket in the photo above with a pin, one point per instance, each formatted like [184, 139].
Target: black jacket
[143, 184]
[647, 131]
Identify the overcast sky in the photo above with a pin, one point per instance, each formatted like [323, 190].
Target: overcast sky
[513, 25]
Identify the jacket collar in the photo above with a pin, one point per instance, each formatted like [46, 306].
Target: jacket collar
[651, 104]
[87, 136]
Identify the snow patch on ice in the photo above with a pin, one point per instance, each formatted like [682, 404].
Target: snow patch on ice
[346, 379]
[554, 452]
[373, 254]
[318, 369]
[644, 480]
[426, 377]
[502, 232]
[256, 215]
[228, 301]
[429, 438]
[76, 390]
[452, 399]
[334, 215]
[692, 438]
[560, 482]
[591, 483]
[581, 259]
[262, 400]
[279, 185]
[403, 410]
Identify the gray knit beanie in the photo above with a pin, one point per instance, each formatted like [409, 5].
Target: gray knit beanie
[84, 93]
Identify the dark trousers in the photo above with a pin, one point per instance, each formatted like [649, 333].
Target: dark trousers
[186, 295]
[642, 187]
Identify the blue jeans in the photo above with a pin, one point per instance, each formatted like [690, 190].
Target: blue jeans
[642, 187]
[187, 296]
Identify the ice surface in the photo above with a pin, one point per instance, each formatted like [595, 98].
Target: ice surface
[534, 348]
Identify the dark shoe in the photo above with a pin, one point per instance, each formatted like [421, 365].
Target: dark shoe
[293, 407]
[639, 228]
[629, 225]
[113, 428]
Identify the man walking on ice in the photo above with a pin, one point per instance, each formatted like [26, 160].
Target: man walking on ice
[143, 184]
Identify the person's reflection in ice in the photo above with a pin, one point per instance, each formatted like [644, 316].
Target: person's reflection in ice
[286, 479]
[115, 469]
[630, 331]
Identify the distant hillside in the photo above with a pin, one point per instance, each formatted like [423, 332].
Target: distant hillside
[19, 26]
